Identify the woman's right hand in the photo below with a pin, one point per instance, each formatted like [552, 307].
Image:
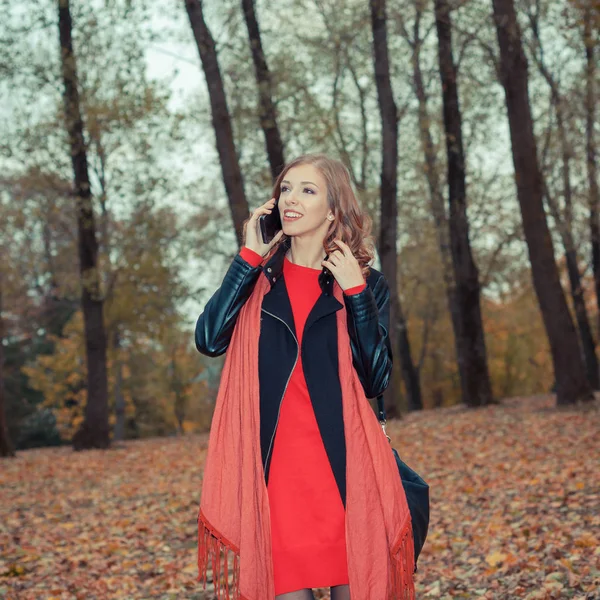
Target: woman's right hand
[252, 233]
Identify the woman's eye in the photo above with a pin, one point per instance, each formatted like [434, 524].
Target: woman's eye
[285, 188]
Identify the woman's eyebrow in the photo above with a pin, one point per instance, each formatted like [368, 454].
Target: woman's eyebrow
[302, 182]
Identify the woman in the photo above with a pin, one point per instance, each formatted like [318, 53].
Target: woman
[303, 409]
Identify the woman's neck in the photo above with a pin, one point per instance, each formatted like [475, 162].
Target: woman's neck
[306, 255]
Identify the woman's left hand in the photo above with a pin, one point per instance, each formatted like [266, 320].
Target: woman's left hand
[344, 266]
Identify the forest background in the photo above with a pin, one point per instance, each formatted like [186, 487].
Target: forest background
[169, 190]
[136, 137]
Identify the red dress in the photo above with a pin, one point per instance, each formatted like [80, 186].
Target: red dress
[307, 514]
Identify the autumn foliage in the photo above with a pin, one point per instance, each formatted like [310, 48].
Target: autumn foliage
[514, 510]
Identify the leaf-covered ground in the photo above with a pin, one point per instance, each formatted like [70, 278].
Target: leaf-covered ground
[515, 510]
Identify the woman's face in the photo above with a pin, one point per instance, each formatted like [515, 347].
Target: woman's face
[304, 192]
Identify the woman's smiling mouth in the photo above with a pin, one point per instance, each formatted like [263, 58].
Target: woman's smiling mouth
[291, 215]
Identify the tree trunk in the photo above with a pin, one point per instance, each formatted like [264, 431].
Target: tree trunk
[565, 221]
[268, 119]
[178, 388]
[475, 377]
[436, 198]
[389, 210]
[119, 431]
[230, 167]
[94, 430]
[583, 323]
[571, 382]
[6, 447]
[590, 143]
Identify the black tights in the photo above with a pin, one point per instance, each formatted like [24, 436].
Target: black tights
[338, 592]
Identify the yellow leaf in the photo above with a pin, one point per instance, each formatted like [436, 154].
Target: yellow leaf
[494, 558]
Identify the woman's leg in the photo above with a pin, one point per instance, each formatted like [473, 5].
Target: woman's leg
[340, 592]
[305, 594]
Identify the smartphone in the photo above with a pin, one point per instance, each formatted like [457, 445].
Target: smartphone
[270, 224]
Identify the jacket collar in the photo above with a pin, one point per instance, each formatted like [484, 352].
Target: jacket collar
[273, 269]
[277, 302]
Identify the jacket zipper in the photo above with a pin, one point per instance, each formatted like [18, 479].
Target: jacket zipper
[286, 384]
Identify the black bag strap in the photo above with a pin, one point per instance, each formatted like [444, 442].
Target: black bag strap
[380, 408]
[381, 415]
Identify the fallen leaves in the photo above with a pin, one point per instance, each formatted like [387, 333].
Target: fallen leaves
[515, 510]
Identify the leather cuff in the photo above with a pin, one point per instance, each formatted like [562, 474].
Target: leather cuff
[356, 289]
[250, 256]
[363, 305]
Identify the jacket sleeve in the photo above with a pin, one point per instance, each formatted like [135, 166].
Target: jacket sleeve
[215, 325]
[368, 316]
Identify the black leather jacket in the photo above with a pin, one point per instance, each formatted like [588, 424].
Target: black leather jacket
[368, 325]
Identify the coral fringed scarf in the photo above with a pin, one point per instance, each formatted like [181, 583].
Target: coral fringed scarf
[234, 536]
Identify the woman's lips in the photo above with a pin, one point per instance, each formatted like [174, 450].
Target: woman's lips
[285, 218]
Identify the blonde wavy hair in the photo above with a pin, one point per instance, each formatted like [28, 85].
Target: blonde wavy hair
[350, 224]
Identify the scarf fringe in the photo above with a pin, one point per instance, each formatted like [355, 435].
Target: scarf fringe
[401, 583]
[214, 549]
